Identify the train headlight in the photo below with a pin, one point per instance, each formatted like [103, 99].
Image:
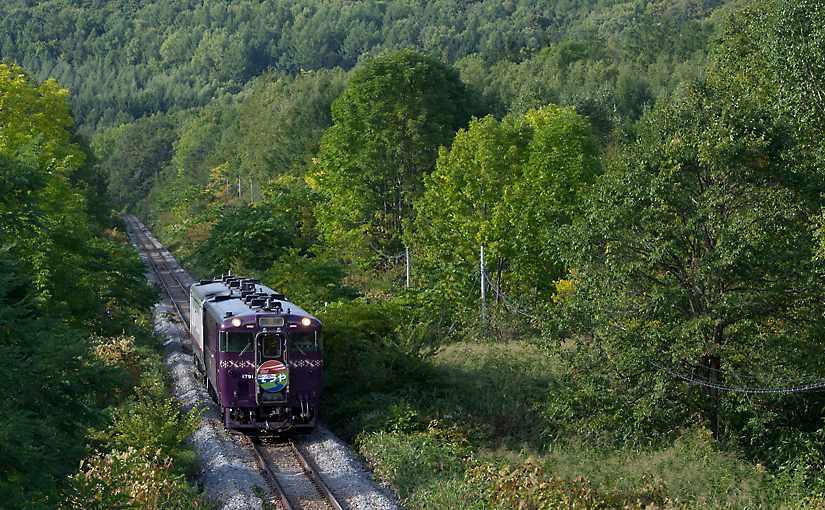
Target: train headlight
[236, 322]
[305, 322]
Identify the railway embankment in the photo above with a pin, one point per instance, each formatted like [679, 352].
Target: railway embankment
[229, 474]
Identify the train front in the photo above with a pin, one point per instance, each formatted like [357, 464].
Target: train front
[271, 364]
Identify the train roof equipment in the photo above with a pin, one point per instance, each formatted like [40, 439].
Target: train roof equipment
[230, 296]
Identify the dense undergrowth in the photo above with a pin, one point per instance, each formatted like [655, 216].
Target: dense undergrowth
[139, 457]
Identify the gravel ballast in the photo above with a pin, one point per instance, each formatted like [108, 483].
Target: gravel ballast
[344, 473]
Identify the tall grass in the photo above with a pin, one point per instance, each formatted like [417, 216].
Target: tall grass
[465, 429]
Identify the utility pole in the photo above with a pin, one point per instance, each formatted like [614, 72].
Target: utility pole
[239, 186]
[483, 289]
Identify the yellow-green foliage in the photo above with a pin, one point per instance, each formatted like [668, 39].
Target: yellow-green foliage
[141, 460]
[117, 351]
[814, 502]
[151, 419]
[564, 288]
[132, 478]
[530, 486]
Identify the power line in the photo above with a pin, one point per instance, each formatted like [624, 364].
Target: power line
[799, 388]
[690, 379]
[507, 303]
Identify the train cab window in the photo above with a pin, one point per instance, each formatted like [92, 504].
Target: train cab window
[305, 342]
[271, 345]
[236, 342]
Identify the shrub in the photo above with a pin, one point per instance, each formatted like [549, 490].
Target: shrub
[311, 281]
[118, 352]
[813, 502]
[416, 461]
[529, 486]
[131, 478]
[152, 419]
[360, 347]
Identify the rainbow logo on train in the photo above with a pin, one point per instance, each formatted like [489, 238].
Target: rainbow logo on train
[273, 376]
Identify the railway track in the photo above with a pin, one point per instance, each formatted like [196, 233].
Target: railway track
[163, 265]
[294, 477]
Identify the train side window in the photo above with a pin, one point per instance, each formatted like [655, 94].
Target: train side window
[236, 342]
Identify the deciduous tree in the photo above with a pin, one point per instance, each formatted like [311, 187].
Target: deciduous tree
[387, 126]
[695, 252]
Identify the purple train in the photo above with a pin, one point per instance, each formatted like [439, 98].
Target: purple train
[260, 355]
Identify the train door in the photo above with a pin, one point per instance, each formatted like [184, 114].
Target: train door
[210, 338]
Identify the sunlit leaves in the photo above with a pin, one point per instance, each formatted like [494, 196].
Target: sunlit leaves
[695, 245]
[62, 282]
[387, 126]
[510, 186]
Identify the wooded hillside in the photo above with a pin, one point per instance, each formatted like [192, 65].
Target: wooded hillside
[646, 179]
[124, 60]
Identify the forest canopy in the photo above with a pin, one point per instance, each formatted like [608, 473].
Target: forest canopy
[124, 60]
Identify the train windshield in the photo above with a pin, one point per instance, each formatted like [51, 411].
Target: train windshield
[305, 342]
[236, 342]
[270, 345]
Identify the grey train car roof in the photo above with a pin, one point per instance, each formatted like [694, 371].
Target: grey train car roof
[208, 290]
[236, 306]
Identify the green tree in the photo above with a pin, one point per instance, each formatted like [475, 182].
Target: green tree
[463, 205]
[248, 238]
[44, 213]
[510, 186]
[133, 155]
[561, 163]
[60, 283]
[774, 53]
[695, 252]
[396, 111]
[309, 279]
[282, 119]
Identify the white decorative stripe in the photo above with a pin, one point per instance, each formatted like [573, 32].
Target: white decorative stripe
[236, 364]
[306, 363]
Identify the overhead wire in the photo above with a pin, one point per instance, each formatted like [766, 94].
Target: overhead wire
[798, 388]
[507, 303]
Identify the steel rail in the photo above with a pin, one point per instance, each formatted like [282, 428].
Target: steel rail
[310, 471]
[169, 271]
[264, 465]
[160, 248]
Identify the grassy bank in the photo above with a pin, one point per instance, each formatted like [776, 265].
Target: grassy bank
[467, 428]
